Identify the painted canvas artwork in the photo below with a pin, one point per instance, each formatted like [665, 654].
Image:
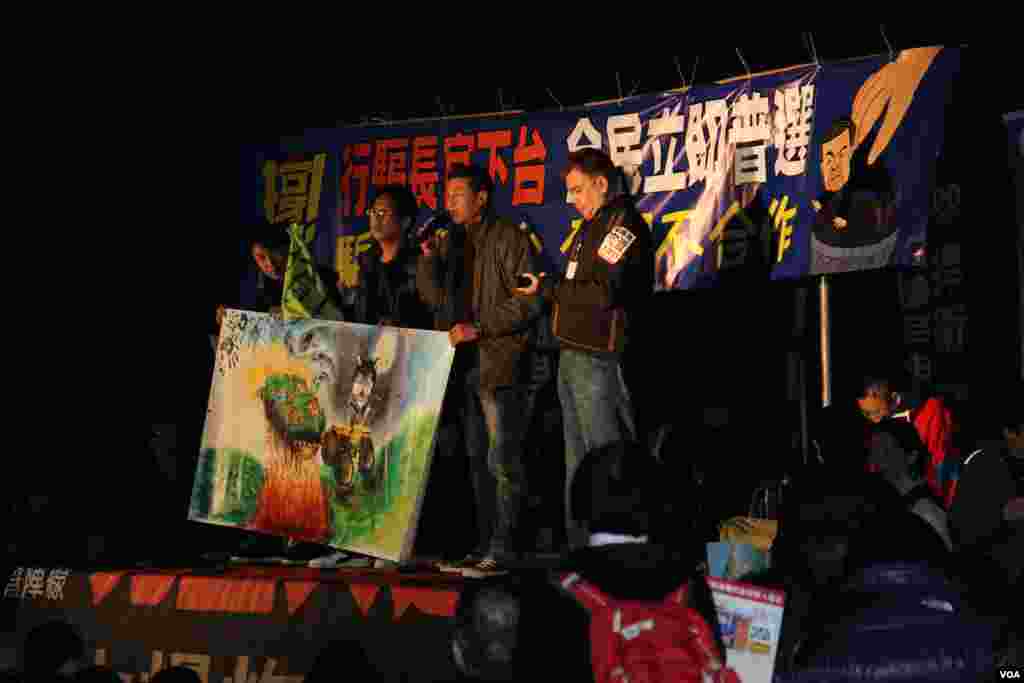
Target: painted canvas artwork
[321, 431]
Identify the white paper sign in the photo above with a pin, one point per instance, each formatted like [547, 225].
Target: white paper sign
[750, 619]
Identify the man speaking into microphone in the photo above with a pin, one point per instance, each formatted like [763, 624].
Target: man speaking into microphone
[608, 278]
[468, 275]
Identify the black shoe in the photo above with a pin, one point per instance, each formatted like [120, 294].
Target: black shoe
[305, 552]
[259, 545]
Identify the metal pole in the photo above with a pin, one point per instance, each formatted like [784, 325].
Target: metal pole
[826, 343]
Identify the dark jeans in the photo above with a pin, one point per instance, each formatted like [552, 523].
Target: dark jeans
[492, 420]
[541, 519]
[596, 411]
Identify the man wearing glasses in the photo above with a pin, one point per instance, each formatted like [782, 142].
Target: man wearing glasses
[386, 292]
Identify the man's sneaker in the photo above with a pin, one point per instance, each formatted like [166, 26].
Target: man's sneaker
[468, 562]
[489, 566]
[340, 559]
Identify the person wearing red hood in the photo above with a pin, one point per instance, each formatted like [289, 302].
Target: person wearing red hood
[934, 422]
[848, 433]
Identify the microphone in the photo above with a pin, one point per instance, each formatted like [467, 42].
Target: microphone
[439, 220]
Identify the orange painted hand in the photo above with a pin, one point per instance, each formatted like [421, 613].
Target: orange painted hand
[890, 90]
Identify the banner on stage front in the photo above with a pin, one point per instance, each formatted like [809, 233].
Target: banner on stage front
[321, 431]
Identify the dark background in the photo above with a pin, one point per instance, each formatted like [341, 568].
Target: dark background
[178, 139]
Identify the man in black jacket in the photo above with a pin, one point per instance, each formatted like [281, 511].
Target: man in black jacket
[386, 293]
[468, 276]
[608, 279]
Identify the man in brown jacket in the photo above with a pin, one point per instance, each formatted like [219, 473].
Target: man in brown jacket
[609, 277]
[467, 275]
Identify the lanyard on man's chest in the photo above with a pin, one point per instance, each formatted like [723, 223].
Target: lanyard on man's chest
[576, 249]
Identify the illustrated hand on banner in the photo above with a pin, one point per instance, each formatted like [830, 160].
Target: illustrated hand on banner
[890, 90]
[305, 294]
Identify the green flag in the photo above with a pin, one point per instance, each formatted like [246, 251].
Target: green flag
[305, 294]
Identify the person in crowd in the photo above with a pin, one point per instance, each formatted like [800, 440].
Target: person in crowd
[503, 631]
[99, 674]
[986, 516]
[346, 659]
[607, 282]
[468, 276]
[640, 550]
[894, 608]
[51, 651]
[820, 513]
[177, 674]
[842, 432]
[899, 456]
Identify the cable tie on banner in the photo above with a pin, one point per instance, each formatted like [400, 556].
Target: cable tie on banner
[746, 66]
[814, 50]
[693, 76]
[679, 70]
[562, 108]
[618, 83]
[892, 54]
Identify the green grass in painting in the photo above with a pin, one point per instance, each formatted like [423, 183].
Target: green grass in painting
[202, 485]
[242, 489]
[353, 520]
[360, 515]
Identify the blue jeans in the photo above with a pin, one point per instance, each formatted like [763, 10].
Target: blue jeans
[596, 411]
[493, 424]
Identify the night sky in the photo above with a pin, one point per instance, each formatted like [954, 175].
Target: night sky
[240, 103]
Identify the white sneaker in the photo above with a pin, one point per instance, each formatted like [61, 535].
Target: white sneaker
[331, 561]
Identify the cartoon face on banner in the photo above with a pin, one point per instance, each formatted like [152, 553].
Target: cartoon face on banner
[862, 212]
[321, 431]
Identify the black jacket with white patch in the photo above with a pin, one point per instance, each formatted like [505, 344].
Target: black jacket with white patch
[612, 279]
